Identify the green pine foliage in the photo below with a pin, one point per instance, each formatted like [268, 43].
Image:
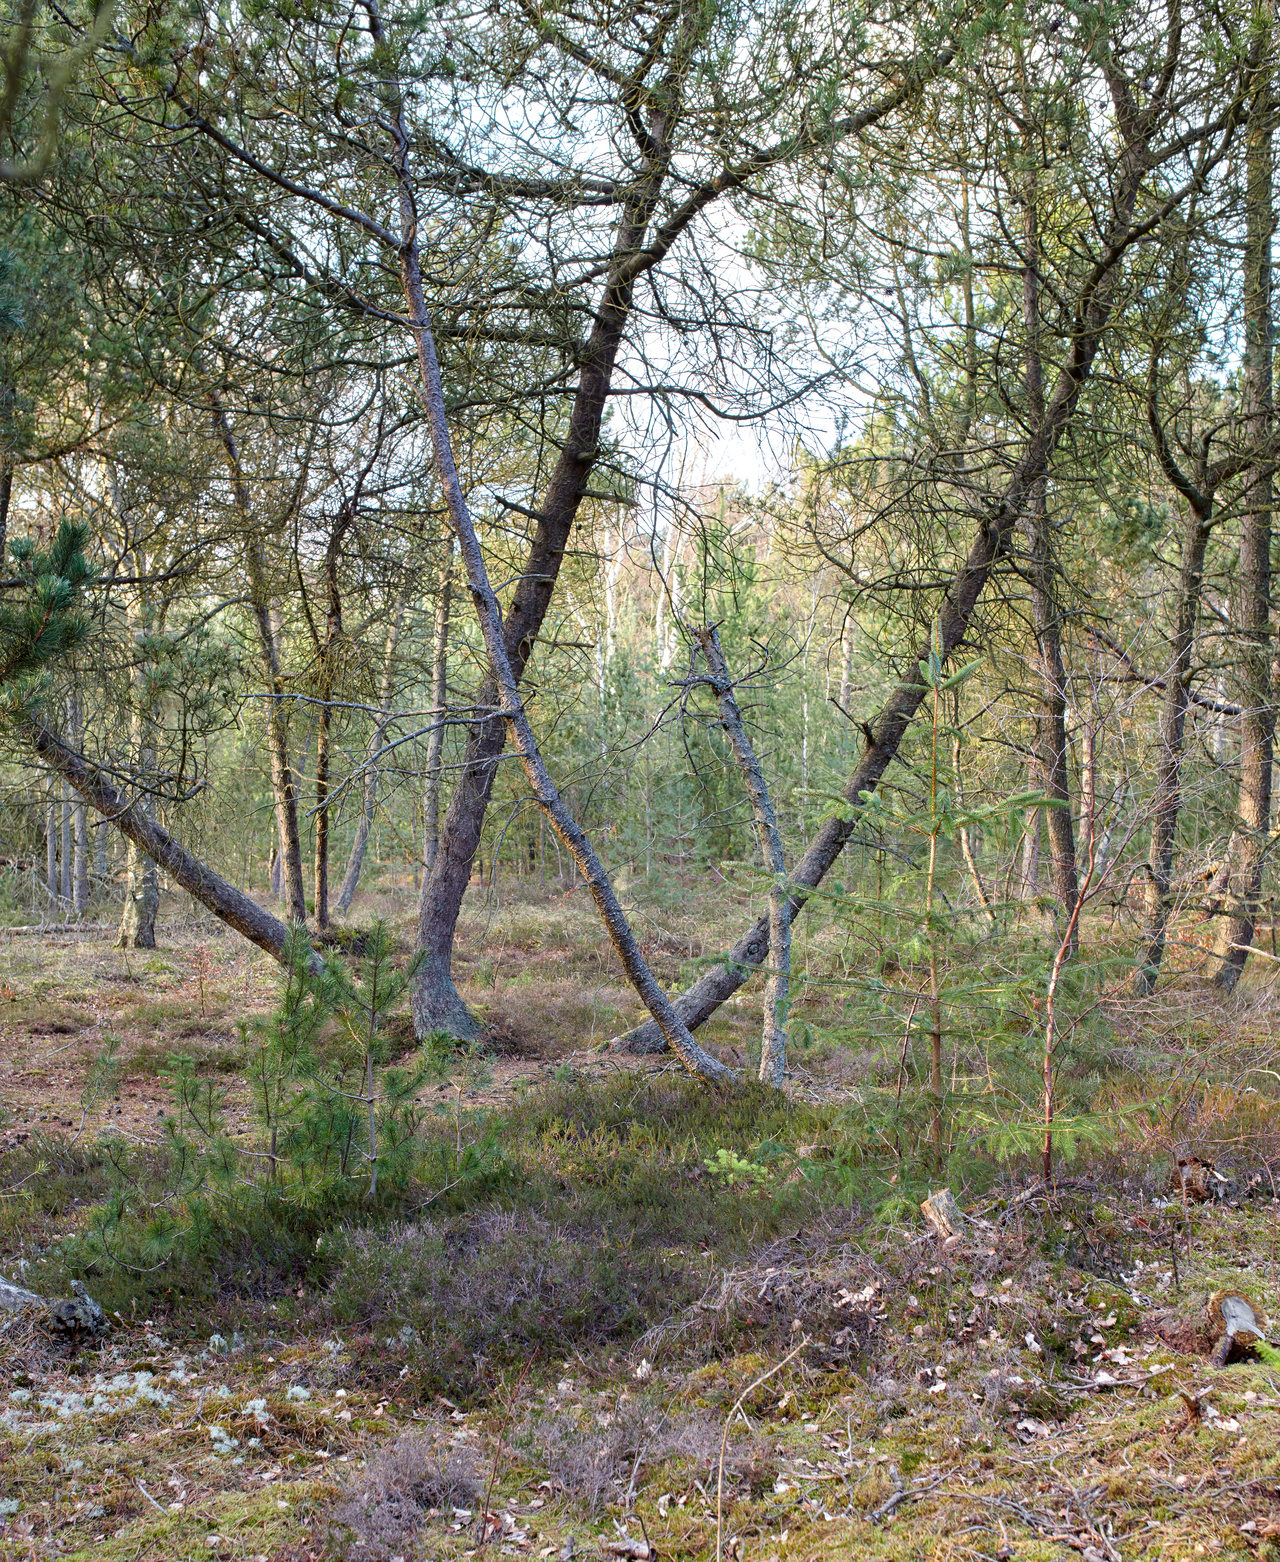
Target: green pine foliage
[336, 1128]
[42, 617]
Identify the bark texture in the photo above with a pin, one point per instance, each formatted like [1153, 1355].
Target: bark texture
[1051, 718]
[1167, 800]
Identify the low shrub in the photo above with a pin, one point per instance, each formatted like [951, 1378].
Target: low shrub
[381, 1512]
[472, 1293]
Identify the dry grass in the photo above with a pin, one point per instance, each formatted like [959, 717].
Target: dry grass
[967, 1381]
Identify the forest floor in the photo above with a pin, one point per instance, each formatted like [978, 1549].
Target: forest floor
[758, 1373]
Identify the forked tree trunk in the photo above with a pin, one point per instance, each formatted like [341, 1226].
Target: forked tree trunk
[990, 545]
[1257, 720]
[638, 245]
[491, 626]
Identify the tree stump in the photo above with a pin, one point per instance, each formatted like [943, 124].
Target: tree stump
[1238, 1322]
[943, 1213]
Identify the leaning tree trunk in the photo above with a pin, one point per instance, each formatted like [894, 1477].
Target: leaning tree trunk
[637, 246]
[1257, 720]
[128, 815]
[489, 615]
[437, 1005]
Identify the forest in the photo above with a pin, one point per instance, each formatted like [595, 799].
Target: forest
[638, 695]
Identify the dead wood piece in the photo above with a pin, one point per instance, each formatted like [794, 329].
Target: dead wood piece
[77, 1316]
[625, 1546]
[1199, 1181]
[1238, 1322]
[943, 1213]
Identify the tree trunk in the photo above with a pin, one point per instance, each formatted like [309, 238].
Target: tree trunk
[6, 495]
[79, 822]
[1050, 722]
[216, 894]
[141, 899]
[1030, 871]
[64, 890]
[439, 706]
[436, 1003]
[142, 881]
[324, 726]
[990, 544]
[283, 782]
[504, 679]
[369, 791]
[1167, 800]
[1257, 720]
[51, 840]
[966, 838]
[773, 1047]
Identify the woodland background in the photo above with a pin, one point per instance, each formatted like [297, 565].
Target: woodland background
[540, 536]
